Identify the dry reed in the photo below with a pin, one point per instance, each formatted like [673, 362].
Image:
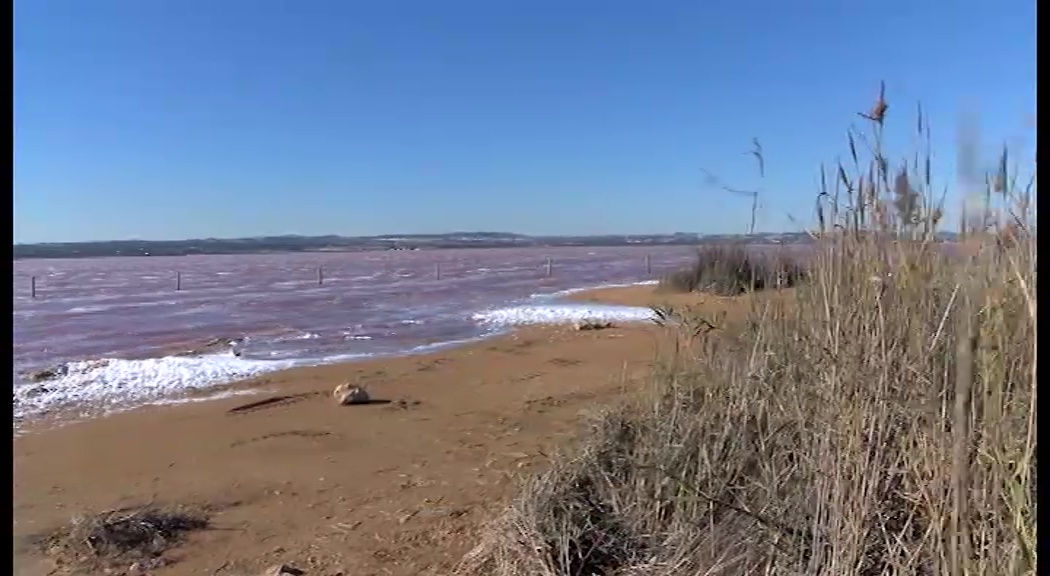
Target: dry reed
[95, 542]
[882, 423]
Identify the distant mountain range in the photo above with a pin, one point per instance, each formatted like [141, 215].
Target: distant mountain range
[294, 243]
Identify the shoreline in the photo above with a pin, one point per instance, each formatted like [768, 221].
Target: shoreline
[398, 487]
[217, 350]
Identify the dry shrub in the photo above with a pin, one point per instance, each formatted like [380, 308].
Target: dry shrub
[120, 537]
[883, 423]
[730, 270]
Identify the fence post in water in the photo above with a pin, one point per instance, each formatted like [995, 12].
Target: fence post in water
[320, 275]
[178, 281]
[648, 266]
[550, 266]
[32, 287]
[437, 270]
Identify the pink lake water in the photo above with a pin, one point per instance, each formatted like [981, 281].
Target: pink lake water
[111, 320]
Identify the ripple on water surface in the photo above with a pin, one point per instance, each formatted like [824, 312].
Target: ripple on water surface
[119, 308]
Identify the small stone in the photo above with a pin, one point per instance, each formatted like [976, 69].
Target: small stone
[346, 394]
[283, 570]
[592, 325]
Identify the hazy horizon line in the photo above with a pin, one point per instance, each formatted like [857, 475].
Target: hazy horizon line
[405, 235]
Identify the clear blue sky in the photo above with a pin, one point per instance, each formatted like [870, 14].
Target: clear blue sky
[166, 119]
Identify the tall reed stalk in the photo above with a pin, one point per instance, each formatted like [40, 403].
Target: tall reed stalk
[879, 420]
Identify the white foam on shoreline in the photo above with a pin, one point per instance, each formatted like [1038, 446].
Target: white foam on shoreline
[562, 314]
[554, 312]
[109, 383]
[105, 385]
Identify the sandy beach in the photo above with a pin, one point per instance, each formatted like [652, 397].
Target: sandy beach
[395, 487]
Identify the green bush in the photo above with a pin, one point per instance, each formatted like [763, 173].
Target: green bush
[733, 270]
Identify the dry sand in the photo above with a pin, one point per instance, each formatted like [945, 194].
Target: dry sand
[388, 488]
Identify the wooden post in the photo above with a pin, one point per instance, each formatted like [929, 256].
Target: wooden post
[437, 270]
[320, 275]
[32, 287]
[648, 266]
[550, 266]
[178, 281]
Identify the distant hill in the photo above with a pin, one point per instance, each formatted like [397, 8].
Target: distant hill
[271, 244]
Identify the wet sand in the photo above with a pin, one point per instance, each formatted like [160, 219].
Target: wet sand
[399, 486]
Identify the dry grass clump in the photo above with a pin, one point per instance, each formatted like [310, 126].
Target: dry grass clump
[883, 423]
[120, 537]
[730, 270]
